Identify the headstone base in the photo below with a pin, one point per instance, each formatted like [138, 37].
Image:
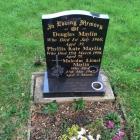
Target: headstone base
[39, 97]
[73, 87]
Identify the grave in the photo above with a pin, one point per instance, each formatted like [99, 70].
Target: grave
[74, 42]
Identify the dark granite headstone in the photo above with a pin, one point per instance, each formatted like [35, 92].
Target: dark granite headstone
[74, 42]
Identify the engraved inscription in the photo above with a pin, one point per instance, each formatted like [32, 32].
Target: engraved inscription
[74, 44]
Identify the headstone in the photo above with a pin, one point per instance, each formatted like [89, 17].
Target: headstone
[74, 42]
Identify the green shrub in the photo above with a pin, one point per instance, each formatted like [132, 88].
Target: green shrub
[79, 104]
[113, 116]
[96, 127]
[71, 131]
[51, 108]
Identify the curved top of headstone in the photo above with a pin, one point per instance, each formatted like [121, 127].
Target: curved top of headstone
[74, 42]
[74, 12]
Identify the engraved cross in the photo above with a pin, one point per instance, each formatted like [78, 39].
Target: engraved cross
[57, 65]
[57, 60]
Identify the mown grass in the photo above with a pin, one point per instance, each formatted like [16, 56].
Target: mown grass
[21, 41]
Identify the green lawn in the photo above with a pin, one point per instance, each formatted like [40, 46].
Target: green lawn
[21, 42]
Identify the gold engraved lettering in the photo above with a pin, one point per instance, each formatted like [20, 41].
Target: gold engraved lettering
[74, 39]
[64, 39]
[56, 49]
[80, 56]
[84, 53]
[81, 64]
[87, 74]
[86, 48]
[72, 61]
[70, 75]
[74, 28]
[62, 53]
[90, 24]
[81, 44]
[71, 44]
[51, 53]
[51, 39]
[67, 34]
[98, 39]
[84, 39]
[50, 26]
[89, 60]
[97, 52]
[79, 71]
[66, 23]
[87, 34]
[70, 71]
[71, 56]
[72, 53]
[73, 49]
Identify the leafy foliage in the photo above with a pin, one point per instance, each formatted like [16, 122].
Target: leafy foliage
[79, 104]
[113, 116]
[71, 131]
[51, 108]
[96, 127]
[108, 134]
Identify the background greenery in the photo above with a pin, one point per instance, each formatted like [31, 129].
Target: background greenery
[21, 42]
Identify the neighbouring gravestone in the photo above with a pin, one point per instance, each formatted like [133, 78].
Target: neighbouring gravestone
[74, 42]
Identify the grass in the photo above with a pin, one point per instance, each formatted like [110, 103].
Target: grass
[21, 41]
